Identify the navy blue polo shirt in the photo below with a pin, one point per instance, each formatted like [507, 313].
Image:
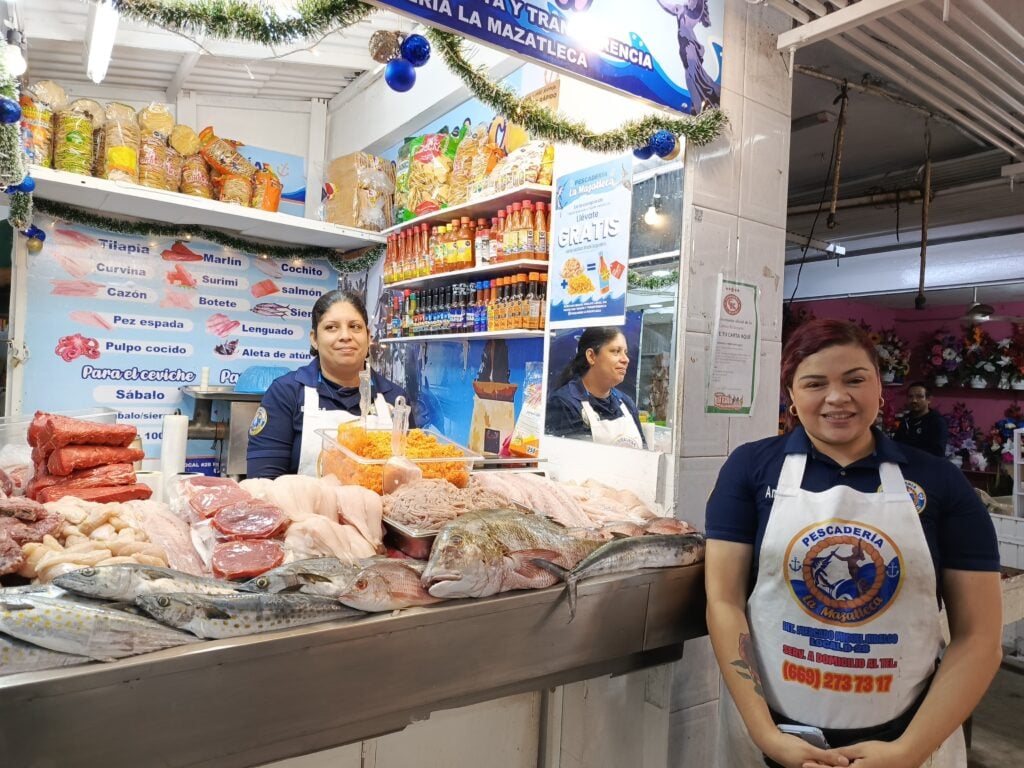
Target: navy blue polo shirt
[274, 450]
[564, 415]
[956, 524]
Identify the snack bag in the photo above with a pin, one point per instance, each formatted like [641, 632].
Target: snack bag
[462, 169]
[156, 120]
[222, 155]
[195, 177]
[121, 143]
[525, 440]
[153, 162]
[184, 140]
[488, 154]
[521, 167]
[235, 189]
[430, 173]
[172, 170]
[73, 146]
[36, 130]
[403, 211]
[266, 188]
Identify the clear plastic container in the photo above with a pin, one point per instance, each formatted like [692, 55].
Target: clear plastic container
[352, 469]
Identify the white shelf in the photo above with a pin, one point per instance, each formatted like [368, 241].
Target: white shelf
[501, 268]
[484, 207]
[516, 334]
[118, 198]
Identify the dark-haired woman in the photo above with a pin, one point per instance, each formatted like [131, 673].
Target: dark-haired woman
[852, 544]
[321, 395]
[586, 402]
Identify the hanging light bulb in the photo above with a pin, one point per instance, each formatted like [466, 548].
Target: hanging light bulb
[14, 59]
[101, 31]
[652, 216]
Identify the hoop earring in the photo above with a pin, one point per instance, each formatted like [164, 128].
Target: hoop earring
[792, 410]
[881, 402]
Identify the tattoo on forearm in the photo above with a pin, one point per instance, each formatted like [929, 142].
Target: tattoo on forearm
[746, 664]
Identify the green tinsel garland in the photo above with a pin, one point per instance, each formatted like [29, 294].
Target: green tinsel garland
[13, 163]
[541, 122]
[637, 280]
[358, 261]
[242, 20]
[238, 19]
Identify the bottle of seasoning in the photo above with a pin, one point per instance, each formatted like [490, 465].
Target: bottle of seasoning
[481, 243]
[528, 235]
[513, 233]
[540, 232]
[497, 237]
[532, 304]
[543, 316]
[464, 245]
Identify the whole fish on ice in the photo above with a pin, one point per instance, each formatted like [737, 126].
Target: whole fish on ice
[629, 554]
[483, 553]
[243, 613]
[128, 581]
[72, 626]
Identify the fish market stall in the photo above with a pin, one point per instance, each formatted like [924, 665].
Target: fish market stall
[250, 700]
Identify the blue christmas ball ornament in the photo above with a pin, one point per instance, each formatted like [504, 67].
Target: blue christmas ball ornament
[644, 152]
[27, 185]
[416, 50]
[35, 232]
[663, 142]
[10, 112]
[399, 75]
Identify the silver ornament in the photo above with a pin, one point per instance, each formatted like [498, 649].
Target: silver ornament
[385, 46]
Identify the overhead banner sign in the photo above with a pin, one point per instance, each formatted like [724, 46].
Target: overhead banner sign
[668, 53]
[124, 322]
[590, 246]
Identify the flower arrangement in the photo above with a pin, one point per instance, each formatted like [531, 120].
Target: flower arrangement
[1017, 353]
[943, 355]
[979, 368]
[1000, 437]
[961, 431]
[893, 354]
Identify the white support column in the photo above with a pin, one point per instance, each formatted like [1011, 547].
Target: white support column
[316, 155]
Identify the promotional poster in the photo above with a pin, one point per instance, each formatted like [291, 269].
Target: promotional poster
[123, 322]
[666, 52]
[590, 246]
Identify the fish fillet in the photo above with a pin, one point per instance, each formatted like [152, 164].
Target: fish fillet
[75, 288]
[93, 319]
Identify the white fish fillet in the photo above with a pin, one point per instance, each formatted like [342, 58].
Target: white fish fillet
[268, 267]
[318, 536]
[93, 319]
[176, 300]
[74, 288]
[76, 267]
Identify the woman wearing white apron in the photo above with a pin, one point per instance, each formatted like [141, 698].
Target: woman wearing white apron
[848, 541]
[321, 395]
[585, 401]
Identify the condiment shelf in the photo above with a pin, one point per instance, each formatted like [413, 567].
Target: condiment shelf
[515, 334]
[118, 198]
[484, 207]
[499, 268]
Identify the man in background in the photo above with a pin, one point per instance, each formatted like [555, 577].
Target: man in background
[922, 427]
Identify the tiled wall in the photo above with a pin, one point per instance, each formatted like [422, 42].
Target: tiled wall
[735, 215]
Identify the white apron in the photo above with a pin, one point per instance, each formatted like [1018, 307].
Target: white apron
[621, 432]
[314, 418]
[843, 616]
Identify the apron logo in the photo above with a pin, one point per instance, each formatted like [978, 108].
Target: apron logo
[917, 495]
[259, 421]
[843, 574]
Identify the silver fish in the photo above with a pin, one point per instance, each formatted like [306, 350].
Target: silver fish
[388, 585]
[18, 656]
[73, 626]
[243, 613]
[326, 576]
[128, 581]
[483, 553]
[629, 554]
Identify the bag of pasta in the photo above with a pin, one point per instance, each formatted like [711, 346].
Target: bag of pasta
[403, 212]
[521, 167]
[156, 120]
[195, 177]
[153, 162]
[462, 169]
[172, 170]
[121, 147]
[72, 149]
[222, 155]
[430, 171]
[235, 189]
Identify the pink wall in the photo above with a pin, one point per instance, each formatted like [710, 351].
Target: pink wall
[917, 328]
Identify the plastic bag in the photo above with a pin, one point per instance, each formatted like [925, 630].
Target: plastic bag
[153, 162]
[266, 188]
[121, 148]
[156, 120]
[485, 158]
[195, 177]
[403, 211]
[73, 142]
[430, 172]
[521, 167]
[184, 140]
[172, 170]
[37, 130]
[235, 189]
[223, 156]
[525, 440]
[462, 169]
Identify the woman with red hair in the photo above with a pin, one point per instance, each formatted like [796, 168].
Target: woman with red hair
[831, 551]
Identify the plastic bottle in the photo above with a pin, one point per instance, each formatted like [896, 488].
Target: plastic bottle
[540, 232]
[482, 242]
[497, 237]
[464, 245]
[513, 233]
[543, 316]
[532, 303]
[527, 235]
[492, 299]
[431, 250]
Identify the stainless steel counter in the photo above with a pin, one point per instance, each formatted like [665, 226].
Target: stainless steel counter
[244, 702]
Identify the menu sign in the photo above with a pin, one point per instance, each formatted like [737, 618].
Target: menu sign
[123, 322]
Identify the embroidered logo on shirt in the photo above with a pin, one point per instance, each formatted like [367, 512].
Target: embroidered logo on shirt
[917, 495]
[843, 573]
[259, 421]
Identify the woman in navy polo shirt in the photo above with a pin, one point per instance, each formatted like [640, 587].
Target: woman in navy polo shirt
[321, 395]
[586, 402]
[822, 575]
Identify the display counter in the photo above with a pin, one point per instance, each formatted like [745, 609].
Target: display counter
[252, 700]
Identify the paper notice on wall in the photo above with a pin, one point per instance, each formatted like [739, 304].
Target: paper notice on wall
[734, 338]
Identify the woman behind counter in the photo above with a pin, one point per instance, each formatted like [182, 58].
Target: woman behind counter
[842, 628]
[320, 395]
[586, 403]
